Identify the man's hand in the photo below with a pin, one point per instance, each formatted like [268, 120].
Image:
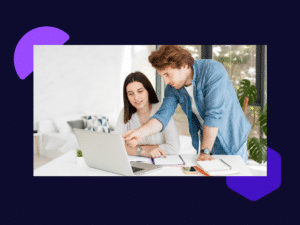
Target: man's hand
[154, 153]
[132, 138]
[204, 157]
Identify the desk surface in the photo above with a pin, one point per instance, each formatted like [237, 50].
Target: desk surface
[66, 165]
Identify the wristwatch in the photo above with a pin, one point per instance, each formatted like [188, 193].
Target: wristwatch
[206, 151]
[139, 149]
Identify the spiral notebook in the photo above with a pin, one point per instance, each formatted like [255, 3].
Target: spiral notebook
[217, 167]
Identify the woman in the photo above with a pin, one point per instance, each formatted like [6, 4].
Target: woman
[140, 103]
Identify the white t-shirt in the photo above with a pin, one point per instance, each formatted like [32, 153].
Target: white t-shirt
[190, 90]
[168, 140]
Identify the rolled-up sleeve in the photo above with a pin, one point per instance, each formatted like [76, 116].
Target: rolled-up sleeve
[167, 108]
[171, 137]
[215, 94]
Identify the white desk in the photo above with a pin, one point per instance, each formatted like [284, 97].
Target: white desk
[66, 165]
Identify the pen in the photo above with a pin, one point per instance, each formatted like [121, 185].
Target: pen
[182, 159]
[225, 163]
[152, 161]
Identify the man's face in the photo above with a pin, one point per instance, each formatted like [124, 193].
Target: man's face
[175, 77]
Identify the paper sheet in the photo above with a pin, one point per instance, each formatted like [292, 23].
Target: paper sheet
[169, 160]
[214, 165]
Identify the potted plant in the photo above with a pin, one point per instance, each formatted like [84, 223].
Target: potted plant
[247, 95]
[79, 157]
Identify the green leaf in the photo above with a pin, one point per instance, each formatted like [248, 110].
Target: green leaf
[246, 89]
[258, 149]
[263, 120]
[79, 153]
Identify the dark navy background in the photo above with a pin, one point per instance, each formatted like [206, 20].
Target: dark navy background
[32, 200]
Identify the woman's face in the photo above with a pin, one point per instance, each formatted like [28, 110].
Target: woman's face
[137, 95]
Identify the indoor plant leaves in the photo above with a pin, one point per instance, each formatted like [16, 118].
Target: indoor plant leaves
[246, 90]
[258, 149]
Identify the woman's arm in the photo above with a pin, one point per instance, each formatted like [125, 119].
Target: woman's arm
[171, 136]
[152, 151]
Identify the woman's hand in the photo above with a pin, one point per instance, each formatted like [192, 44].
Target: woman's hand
[204, 157]
[154, 153]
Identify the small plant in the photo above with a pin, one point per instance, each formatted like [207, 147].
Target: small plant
[79, 153]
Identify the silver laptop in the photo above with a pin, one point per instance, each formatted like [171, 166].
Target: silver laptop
[107, 152]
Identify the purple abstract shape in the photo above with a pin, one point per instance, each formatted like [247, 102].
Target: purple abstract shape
[23, 57]
[255, 188]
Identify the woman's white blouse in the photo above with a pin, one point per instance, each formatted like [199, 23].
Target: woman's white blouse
[168, 140]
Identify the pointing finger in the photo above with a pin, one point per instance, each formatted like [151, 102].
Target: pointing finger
[126, 134]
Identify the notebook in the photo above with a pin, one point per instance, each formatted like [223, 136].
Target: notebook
[217, 167]
[170, 160]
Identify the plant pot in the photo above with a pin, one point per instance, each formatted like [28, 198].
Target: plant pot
[80, 161]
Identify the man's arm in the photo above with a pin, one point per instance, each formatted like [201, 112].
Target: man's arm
[209, 137]
[133, 137]
[208, 140]
[215, 91]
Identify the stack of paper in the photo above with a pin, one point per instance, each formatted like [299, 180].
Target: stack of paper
[216, 168]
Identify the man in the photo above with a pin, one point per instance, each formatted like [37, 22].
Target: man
[206, 95]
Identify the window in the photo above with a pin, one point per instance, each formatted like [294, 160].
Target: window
[238, 60]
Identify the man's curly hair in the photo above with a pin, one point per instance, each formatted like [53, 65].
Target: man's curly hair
[170, 55]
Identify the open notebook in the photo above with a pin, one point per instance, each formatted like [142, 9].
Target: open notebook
[216, 167]
[170, 160]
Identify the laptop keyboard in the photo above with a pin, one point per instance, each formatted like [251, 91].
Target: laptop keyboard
[135, 169]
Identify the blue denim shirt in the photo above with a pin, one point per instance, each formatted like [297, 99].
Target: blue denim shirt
[217, 104]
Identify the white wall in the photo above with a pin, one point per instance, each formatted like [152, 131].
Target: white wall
[72, 79]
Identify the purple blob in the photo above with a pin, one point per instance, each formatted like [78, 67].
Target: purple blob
[23, 57]
[255, 188]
